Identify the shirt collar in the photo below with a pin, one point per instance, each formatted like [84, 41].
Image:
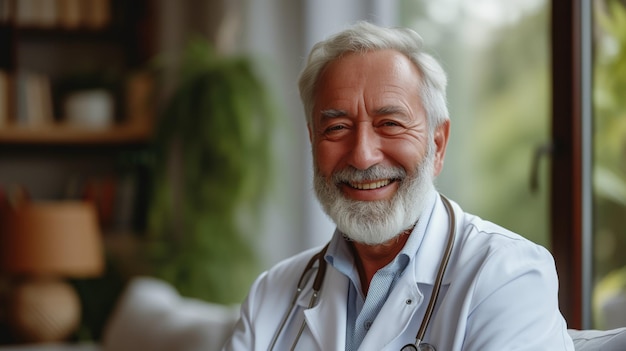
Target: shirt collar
[339, 254]
[412, 244]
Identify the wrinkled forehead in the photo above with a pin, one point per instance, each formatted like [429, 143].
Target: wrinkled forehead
[378, 77]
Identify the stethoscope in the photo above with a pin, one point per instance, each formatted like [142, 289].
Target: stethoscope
[418, 345]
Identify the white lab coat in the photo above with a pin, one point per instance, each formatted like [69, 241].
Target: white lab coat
[499, 293]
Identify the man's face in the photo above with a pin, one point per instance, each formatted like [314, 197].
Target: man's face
[371, 144]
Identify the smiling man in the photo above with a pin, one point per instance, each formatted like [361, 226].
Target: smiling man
[406, 268]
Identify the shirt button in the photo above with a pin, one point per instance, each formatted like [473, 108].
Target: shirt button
[409, 301]
[367, 325]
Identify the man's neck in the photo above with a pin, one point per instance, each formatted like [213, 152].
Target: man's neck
[370, 258]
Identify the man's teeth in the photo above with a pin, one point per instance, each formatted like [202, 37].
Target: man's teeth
[369, 186]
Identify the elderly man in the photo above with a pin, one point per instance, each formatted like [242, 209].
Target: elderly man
[406, 268]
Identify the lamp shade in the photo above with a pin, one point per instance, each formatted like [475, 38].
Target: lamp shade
[51, 238]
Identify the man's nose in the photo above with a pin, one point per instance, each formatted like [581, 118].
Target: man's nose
[366, 149]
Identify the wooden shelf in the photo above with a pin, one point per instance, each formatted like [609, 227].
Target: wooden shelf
[68, 135]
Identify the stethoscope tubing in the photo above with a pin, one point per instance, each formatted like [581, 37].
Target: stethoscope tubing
[319, 278]
[317, 286]
[439, 280]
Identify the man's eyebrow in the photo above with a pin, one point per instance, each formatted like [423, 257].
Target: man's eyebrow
[390, 110]
[333, 113]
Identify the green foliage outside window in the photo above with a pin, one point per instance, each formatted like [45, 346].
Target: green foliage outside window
[609, 153]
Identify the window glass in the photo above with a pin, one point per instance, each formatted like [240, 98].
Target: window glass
[496, 54]
[609, 169]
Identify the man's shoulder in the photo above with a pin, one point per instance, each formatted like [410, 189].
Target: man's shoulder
[486, 230]
[293, 265]
[282, 277]
[475, 228]
[490, 237]
[302, 256]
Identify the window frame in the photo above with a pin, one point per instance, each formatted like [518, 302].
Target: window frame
[571, 184]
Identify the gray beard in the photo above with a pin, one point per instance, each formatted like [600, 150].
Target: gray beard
[376, 222]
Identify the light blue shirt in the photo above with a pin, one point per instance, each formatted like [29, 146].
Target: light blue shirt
[362, 310]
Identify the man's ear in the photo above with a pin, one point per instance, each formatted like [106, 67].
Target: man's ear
[308, 127]
[440, 138]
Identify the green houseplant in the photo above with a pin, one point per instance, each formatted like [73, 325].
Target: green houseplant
[212, 148]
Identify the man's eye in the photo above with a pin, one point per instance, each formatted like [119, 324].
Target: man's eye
[335, 128]
[390, 128]
[390, 124]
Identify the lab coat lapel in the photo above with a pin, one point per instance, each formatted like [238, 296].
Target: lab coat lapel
[432, 247]
[326, 321]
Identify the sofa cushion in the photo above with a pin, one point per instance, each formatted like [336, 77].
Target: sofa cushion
[599, 340]
[151, 315]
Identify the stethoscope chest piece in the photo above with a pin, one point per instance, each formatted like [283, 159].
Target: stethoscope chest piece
[421, 347]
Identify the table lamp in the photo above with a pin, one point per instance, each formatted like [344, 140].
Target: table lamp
[41, 245]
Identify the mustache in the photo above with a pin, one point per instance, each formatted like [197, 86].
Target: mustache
[376, 172]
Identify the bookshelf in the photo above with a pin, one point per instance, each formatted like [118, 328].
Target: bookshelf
[71, 71]
[76, 118]
[76, 104]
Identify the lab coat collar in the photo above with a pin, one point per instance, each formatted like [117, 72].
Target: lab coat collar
[327, 320]
[433, 243]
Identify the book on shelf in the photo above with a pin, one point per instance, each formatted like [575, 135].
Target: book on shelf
[34, 100]
[5, 11]
[36, 13]
[139, 98]
[47, 14]
[97, 13]
[25, 13]
[68, 14]
[4, 98]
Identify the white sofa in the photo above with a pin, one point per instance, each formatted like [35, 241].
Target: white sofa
[152, 316]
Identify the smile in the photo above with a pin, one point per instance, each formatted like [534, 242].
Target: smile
[371, 185]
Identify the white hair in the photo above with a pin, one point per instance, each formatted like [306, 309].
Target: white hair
[363, 37]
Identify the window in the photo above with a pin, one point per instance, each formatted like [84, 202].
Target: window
[588, 159]
[609, 164]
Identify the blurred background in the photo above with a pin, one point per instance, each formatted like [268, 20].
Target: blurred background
[181, 122]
